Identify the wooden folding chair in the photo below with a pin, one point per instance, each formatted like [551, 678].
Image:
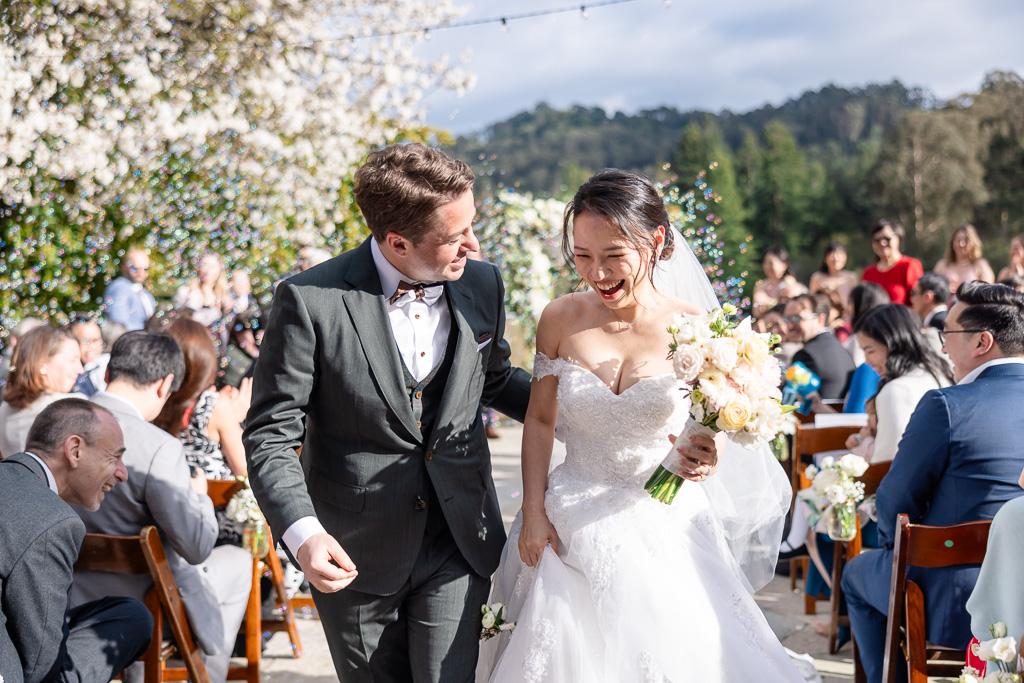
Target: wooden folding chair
[220, 492]
[144, 554]
[808, 441]
[844, 552]
[925, 546]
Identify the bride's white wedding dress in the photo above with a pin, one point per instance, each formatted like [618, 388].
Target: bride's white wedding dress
[639, 590]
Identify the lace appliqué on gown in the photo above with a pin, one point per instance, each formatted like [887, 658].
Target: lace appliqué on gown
[604, 608]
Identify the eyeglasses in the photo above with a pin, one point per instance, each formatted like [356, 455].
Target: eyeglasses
[943, 333]
[797, 319]
[882, 241]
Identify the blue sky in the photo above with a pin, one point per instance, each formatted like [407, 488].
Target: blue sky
[727, 54]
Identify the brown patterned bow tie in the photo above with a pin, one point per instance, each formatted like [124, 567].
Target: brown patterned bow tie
[417, 288]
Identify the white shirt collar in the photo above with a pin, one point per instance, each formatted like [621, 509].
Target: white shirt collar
[389, 275]
[50, 481]
[122, 399]
[941, 308]
[973, 374]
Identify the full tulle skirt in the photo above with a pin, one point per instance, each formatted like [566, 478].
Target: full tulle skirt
[638, 591]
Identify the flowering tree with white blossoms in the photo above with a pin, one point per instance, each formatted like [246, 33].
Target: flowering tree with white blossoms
[195, 124]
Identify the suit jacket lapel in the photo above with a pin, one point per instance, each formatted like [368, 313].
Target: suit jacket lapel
[29, 463]
[462, 363]
[365, 304]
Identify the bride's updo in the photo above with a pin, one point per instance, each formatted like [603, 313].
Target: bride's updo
[628, 200]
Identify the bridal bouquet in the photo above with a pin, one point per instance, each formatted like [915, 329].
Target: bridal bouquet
[1001, 650]
[734, 380]
[833, 495]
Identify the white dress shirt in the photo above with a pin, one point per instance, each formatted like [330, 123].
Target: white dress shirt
[973, 374]
[941, 308]
[420, 328]
[50, 481]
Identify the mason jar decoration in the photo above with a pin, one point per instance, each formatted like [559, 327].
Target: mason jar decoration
[256, 538]
[843, 523]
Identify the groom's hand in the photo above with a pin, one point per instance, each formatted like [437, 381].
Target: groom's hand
[700, 456]
[326, 566]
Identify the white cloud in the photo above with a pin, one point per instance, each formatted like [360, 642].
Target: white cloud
[735, 54]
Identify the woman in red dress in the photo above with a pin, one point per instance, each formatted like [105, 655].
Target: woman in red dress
[895, 272]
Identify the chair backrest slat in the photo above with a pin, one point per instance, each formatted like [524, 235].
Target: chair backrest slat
[221, 491]
[810, 439]
[106, 553]
[946, 546]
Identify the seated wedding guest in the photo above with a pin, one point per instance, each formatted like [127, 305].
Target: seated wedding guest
[822, 353]
[838, 320]
[73, 455]
[94, 361]
[1016, 264]
[963, 261]
[207, 421]
[207, 293]
[214, 583]
[778, 286]
[894, 271]
[239, 292]
[774, 322]
[1015, 282]
[895, 348]
[45, 366]
[18, 331]
[999, 593]
[241, 351]
[864, 297]
[832, 274]
[126, 300]
[959, 461]
[928, 299]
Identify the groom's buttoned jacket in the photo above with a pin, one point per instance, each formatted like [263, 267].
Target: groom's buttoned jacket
[958, 461]
[329, 378]
[40, 537]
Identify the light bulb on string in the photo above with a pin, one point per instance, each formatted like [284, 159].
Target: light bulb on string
[583, 12]
[504, 24]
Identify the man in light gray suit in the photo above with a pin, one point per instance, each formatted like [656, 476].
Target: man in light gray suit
[376, 363]
[73, 455]
[214, 583]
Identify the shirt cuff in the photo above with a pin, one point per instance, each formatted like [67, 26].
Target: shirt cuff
[300, 531]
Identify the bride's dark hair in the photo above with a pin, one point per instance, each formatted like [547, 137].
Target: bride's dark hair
[628, 200]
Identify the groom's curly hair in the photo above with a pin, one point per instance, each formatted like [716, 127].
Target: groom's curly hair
[632, 203]
[400, 187]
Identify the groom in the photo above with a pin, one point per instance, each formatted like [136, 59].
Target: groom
[376, 363]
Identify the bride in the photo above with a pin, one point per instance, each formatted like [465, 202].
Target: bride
[604, 582]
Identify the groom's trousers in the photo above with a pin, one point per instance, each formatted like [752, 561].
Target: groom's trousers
[429, 631]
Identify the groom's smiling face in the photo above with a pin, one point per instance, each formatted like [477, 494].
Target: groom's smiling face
[441, 254]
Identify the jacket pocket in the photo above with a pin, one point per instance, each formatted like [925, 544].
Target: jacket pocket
[339, 494]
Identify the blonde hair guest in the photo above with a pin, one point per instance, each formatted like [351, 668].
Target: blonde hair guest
[963, 261]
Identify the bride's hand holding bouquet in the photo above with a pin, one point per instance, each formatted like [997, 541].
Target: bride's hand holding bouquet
[733, 378]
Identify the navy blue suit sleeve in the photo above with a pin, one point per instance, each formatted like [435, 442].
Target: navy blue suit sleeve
[920, 461]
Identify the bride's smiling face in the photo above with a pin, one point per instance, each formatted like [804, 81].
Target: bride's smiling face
[608, 261]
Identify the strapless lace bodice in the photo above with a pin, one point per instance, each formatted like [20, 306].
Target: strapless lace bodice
[614, 438]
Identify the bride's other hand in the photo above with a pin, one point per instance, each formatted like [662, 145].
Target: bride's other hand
[700, 456]
[537, 532]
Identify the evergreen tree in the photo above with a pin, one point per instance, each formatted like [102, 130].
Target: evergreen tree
[782, 199]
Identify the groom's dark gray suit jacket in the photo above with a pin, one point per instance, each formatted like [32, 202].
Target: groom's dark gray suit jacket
[329, 378]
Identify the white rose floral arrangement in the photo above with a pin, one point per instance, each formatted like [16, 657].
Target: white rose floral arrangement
[834, 491]
[1001, 651]
[733, 378]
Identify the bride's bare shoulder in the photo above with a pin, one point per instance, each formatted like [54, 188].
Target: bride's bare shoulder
[681, 306]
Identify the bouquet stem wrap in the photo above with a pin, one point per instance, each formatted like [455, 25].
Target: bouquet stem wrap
[664, 484]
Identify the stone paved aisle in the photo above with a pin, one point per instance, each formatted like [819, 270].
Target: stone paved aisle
[783, 608]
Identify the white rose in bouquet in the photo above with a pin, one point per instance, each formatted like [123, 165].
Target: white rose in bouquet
[723, 353]
[488, 620]
[998, 630]
[687, 362]
[853, 465]
[735, 414]
[836, 494]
